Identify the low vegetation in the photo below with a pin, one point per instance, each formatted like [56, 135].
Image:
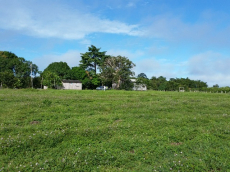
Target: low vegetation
[64, 130]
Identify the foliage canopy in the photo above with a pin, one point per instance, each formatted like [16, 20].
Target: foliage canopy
[15, 71]
[92, 59]
[117, 70]
[61, 69]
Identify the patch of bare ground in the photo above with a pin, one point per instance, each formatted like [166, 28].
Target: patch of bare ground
[176, 143]
[132, 151]
[34, 122]
[117, 121]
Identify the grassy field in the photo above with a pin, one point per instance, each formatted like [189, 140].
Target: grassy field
[64, 130]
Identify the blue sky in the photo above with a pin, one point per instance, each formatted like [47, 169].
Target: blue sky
[170, 38]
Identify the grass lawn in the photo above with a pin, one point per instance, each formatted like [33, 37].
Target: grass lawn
[65, 130]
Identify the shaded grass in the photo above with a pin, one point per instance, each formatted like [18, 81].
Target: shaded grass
[64, 130]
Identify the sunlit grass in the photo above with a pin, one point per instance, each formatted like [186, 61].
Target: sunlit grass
[63, 130]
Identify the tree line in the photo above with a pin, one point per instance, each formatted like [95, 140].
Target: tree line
[173, 84]
[15, 72]
[95, 69]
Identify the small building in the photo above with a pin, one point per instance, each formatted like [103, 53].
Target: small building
[45, 87]
[138, 87]
[71, 85]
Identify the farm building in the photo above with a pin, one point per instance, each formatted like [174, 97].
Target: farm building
[71, 85]
[138, 87]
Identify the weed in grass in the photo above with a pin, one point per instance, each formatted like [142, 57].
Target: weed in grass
[47, 102]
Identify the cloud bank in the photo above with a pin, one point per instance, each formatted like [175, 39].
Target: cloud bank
[204, 32]
[211, 67]
[50, 19]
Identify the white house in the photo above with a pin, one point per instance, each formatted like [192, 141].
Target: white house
[138, 87]
[71, 85]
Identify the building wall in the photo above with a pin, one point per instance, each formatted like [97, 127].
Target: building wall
[72, 86]
[139, 87]
[136, 87]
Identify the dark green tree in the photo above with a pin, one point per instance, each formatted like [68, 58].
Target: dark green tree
[161, 83]
[216, 85]
[143, 79]
[93, 59]
[172, 85]
[8, 80]
[8, 61]
[18, 67]
[88, 78]
[153, 83]
[37, 81]
[142, 75]
[78, 73]
[50, 79]
[61, 69]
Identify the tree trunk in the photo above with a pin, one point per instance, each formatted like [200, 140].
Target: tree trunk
[41, 82]
[119, 81]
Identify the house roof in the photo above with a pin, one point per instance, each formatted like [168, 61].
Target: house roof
[71, 81]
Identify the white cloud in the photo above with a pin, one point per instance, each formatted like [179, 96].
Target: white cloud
[72, 58]
[86, 42]
[150, 65]
[57, 20]
[203, 32]
[210, 67]
[170, 27]
[156, 67]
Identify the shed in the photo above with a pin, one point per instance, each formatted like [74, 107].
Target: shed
[71, 85]
[138, 87]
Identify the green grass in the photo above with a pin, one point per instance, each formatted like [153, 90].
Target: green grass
[64, 130]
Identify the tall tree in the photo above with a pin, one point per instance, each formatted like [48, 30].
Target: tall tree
[172, 85]
[7, 61]
[143, 79]
[78, 73]
[17, 67]
[216, 85]
[153, 83]
[142, 75]
[117, 70]
[50, 79]
[93, 59]
[161, 83]
[7, 79]
[61, 69]
[88, 78]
